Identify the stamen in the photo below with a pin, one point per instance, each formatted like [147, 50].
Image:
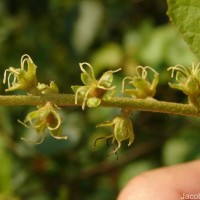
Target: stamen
[143, 72]
[84, 71]
[179, 68]
[85, 98]
[4, 77]
[123, 83]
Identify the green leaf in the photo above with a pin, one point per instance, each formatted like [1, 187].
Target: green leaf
[186, 17]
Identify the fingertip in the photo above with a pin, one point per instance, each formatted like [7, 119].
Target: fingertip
[164, 183]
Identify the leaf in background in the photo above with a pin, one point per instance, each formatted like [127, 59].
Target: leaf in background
[183, 147]
[165, 45]
[109, 56]
[175, 151]
[186, 17]
[87, 24]
[134, 169]
[5, 169]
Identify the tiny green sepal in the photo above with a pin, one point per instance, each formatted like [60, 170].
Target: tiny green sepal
[93, 90]
[188, 81]
[122, 129]
[23, 79]
[46, 117]
[93, 102]
[143, 88]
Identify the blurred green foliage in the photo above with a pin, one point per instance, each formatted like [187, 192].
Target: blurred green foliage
[185, 16]
[109, 34]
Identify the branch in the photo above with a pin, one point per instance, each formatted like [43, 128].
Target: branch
[148, 104]
[132, 154]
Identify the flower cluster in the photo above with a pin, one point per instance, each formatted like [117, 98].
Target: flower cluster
[188, 81]
[143, 88]
[122, 129]
[21, 78]
[94, 90]
[45, 117]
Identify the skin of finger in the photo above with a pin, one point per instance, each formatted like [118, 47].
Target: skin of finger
[164, 183]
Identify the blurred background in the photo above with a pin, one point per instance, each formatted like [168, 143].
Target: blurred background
[109, 34]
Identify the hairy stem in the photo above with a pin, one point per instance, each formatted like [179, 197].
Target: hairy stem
[118, 102]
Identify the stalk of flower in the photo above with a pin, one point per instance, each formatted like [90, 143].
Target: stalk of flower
[188, 81]
[46, 117]
[143, 88]
[122, 129]
[21, 78]
[94, 90]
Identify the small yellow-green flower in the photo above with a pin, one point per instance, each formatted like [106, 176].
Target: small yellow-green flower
[122, 129]
[143, 87]
[21, 78]
[188, 81]
[46, 117]
[52, 88]
[94, 90]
